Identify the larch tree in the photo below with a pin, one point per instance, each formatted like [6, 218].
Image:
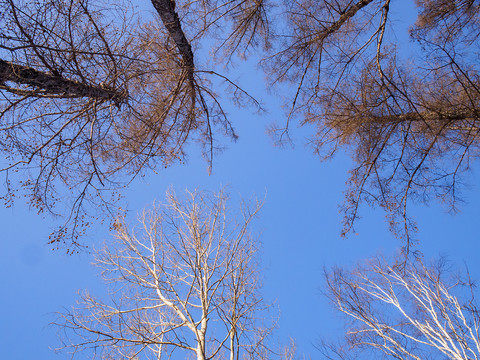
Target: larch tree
[407, 113]
[92, 95]
[412, 311]
[185, 282]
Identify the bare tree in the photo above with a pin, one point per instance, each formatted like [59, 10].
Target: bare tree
[91, 95]
[407, 112]
[186, 281]
[405, 312]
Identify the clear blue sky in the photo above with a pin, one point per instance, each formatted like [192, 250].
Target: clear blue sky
[300, 227]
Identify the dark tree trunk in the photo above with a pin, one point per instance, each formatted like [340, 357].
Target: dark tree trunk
[49, 84]
[171, 21]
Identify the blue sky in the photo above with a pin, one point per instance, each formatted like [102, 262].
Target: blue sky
[299, 226]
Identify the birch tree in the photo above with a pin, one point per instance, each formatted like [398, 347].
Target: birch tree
[404, 312]
[184, 282]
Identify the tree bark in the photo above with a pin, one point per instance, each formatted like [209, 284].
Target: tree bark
[427, 116]
[348, 14]
[170, 19]
[50, 84]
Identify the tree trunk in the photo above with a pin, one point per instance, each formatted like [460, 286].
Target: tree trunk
[170, 19]
[49, 84]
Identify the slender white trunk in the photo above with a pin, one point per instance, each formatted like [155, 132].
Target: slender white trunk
[201, 339]
[200, 352]
[232, 345]
[233, 332]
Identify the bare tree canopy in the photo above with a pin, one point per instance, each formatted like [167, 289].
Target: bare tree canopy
[404, 312]
[406, 112]
[185, 280]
